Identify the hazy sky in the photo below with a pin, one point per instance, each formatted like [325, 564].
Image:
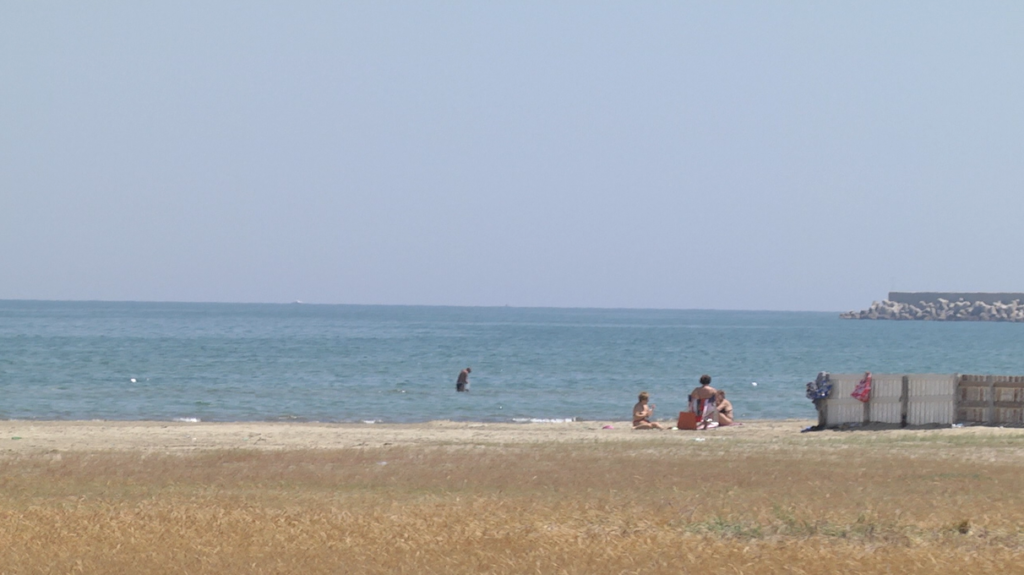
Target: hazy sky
[729, 155]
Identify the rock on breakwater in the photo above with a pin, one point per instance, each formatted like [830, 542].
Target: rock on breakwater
[942, 310]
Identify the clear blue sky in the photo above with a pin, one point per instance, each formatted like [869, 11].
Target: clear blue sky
[728, 155]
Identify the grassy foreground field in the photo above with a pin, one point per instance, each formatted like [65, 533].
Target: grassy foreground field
[830, 502]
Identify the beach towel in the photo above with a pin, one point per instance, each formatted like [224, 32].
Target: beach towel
[705, 411]
[820, 388]
[863, 389]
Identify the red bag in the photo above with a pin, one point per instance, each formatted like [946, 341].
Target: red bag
[687, 420]
[863, 389]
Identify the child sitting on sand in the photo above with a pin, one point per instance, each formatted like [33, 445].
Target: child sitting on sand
[643, 412]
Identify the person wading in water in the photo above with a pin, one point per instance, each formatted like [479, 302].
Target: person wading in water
[462, 384]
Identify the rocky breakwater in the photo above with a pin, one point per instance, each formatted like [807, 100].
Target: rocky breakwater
[942, 310]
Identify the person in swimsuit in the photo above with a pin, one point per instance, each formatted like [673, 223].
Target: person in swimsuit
[462, 384]
[705, 391]
[724, 407]
[642, 414]
[698, 397]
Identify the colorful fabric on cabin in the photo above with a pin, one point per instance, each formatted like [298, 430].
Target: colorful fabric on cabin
[863, 389]
[820, 388]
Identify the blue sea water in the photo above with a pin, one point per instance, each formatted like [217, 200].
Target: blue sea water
[341, 363]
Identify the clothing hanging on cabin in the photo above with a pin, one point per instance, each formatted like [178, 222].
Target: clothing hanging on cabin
[820, 388]
[863, 389]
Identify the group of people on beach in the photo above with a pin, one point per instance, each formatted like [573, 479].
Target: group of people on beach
[708, 406]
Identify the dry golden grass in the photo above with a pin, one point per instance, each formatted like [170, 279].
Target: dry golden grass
[848, 504]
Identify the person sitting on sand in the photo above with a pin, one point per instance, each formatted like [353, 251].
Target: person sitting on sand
[724, 407]
[642, 414]
[705, 391]
[699, 399]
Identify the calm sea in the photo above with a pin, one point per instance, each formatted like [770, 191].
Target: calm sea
[266, 362]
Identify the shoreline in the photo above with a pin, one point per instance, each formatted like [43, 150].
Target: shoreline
[22, 437]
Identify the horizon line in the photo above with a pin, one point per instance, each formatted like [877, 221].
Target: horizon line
[489, 306]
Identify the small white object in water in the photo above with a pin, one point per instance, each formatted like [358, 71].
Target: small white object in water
[754, 383]
[133, 380]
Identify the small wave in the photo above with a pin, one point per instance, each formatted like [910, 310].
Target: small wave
[287, 417]
[543, 420]
[372, 421]
[187, 419]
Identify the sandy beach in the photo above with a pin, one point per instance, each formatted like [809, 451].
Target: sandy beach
[61, 436]
[27, 437]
